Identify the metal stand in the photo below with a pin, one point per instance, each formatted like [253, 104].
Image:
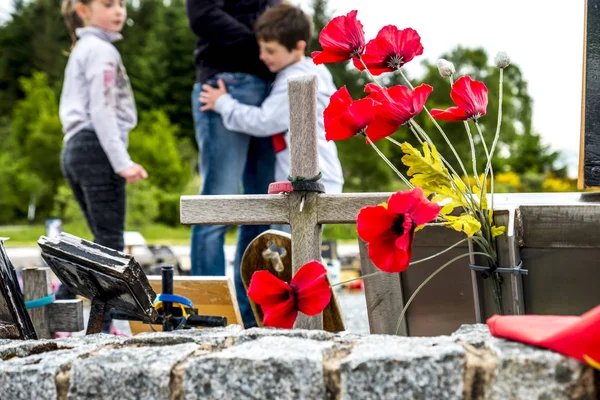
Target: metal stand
[96, 316]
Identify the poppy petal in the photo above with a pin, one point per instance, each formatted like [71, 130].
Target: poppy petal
[402, 201]
[322, 57]
[338, 103]
[422, 210]
[374, 222]
[450, 114]
[267, 289]
[419, 97]
[280, 315]
[387, 257]
[381, 128]
[312, 288]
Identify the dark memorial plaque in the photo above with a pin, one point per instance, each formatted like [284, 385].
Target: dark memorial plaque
[110, 278]
[14, 319]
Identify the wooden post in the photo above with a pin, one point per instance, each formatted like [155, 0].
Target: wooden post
[384, 297]
[37, 284]
[60, 315]
[304, 162]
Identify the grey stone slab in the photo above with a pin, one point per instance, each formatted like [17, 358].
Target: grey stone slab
[391, 367]
[37, 376]
[127, 373]
[476, 334]
[217, 338]
[256, 333]
[527, 372]
[267, 368]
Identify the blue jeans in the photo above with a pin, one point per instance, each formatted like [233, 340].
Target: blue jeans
[230, 160]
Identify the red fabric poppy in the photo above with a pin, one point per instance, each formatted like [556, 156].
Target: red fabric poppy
[308, 292]
[397, 105]
[390, 50]
[389, 229]
[345, 118]
[342, 39]
[573, 336]
[470, 97]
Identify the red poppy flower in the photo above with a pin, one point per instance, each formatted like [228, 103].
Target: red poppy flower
[390, 50]
[573, 336]
[471, 98]
[389, 228]
[397, 105]
[308, 291]
[342, 39]
[345, 118]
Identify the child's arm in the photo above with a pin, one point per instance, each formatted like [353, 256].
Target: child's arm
[102, 75]
[271, 117]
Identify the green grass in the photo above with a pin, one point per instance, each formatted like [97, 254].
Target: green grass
[27, 235]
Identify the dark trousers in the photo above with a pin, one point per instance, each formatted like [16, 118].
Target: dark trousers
[98, 190]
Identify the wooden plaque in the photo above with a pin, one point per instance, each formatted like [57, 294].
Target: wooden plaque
[589, 144]
[97, 272]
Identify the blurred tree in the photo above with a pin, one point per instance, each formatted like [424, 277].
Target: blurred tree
[36, 139]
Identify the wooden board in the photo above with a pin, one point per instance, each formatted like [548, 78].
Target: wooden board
[211, 295]
[253, 261]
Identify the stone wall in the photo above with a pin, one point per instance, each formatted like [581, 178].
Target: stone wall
[231, 363]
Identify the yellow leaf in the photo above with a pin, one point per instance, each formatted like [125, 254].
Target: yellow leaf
[427, 170]
[464, 223]
[498, 230]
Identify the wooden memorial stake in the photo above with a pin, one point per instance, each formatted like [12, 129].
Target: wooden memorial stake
[304, 163]
[304, 211]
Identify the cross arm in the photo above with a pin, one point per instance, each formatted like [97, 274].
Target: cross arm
[235, 210]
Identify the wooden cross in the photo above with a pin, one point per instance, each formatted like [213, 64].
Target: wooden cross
[317, 209]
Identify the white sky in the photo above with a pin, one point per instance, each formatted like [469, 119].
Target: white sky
[544, 38]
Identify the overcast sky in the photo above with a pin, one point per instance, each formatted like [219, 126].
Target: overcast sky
[544, 38]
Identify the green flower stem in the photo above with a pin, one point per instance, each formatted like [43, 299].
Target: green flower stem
[499, 123]
[412, 263]
[473, 154]
[369, 72]
[437, 126]
[414, 127]
[489, 156]
[437, 271]
[410, 185]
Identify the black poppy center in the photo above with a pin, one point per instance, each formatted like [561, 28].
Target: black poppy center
[294, 295]
[394, 61]
[398, 224]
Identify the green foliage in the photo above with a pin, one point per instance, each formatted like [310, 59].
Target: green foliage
[168, 207]
[34, 142]
[142, 204]
[153, 145]
[66, 208]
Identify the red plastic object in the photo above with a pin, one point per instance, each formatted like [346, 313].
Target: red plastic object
[573, 336]
[281, 187]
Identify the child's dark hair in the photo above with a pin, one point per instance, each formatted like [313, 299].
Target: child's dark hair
[72, 20]
[284, 23]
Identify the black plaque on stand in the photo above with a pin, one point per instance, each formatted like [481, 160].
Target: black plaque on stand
[14, 319]
[109, 278]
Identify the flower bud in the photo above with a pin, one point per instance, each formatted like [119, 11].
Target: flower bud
[445, 67]
[501, 60]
